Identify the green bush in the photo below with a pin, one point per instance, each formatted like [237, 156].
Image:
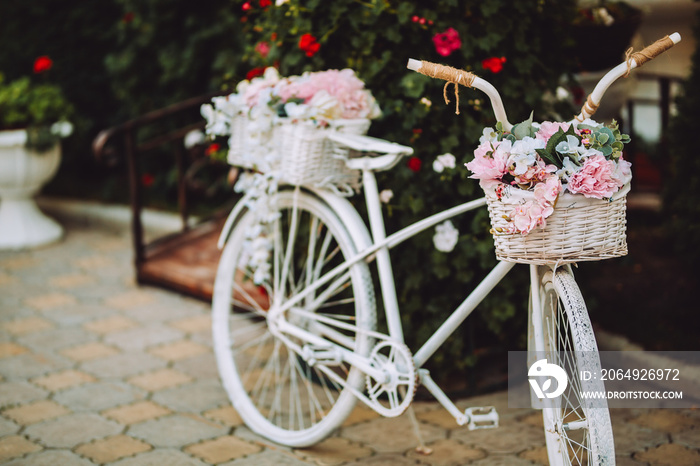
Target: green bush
[376, 38]
[682, 184]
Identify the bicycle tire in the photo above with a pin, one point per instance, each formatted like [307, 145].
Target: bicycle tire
[276, 393]
[578, 430]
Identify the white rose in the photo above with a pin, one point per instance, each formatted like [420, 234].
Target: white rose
[446, 236]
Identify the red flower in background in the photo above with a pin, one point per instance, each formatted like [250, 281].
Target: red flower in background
[494, 64]
[265, 3]
[246, 6]
[212, 149]
[263, 48]
[42, 63]
[128, 17]
[147, 179]
[447, 42]
[255, 72]
[309, 45]
[414, 164]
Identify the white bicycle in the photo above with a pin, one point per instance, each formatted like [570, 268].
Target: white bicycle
[296, 352]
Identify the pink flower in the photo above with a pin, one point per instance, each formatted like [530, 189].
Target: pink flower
[547, 192]
[447, 42]
[494, 64]
[596, 179]
[623, 173]
[548, 128]
[490, 160]
[263, 48]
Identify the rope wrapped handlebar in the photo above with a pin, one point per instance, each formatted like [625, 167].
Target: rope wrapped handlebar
[647, 53]
[451, 75]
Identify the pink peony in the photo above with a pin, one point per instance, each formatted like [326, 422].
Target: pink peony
[596, 179]
[548, 128]
[623, 173]
[528, 216]
[447, 42]
[490, 161]
[547, 192]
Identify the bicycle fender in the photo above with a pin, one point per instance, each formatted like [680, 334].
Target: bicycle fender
[231, 220]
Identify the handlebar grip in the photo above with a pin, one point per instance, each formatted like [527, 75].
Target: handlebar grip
[444, 72]
[653, 50]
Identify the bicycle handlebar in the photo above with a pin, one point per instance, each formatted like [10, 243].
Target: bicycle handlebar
[634, 60]
[465, 78]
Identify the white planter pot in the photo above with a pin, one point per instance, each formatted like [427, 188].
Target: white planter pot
[23, 173]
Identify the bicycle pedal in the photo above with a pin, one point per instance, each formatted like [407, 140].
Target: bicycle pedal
[481, 417]
[326, 355]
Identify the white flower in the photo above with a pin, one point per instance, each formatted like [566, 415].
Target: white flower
[444, 161]
[425, 101]
[446, 236]
[280, 2]
[523, 154]
[299, 111]
[489, 134]
[62, 129]
[193, 138]
[386, 195]
[562, 94]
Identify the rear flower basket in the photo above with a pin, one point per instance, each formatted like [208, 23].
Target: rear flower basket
[279, 126]
[556, 192]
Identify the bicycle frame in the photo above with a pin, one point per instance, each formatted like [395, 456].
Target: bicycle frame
[379, 250]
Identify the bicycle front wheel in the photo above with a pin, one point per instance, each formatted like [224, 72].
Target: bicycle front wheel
[577, 430]
[275, 391]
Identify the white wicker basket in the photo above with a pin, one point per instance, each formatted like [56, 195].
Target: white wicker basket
[580, 229]
[309, 158]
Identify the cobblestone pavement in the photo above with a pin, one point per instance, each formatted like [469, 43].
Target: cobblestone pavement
[97, 370]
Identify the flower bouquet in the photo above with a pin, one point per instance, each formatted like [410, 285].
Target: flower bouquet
[556, 191]
[279, 124]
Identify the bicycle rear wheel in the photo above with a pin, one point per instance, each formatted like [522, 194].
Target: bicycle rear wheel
[577, 430]
[276, 392]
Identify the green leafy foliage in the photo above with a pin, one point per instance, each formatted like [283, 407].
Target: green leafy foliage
[23, 104]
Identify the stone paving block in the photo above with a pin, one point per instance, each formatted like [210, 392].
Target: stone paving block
[176, 430]
[689, 438]
[14, 446]
[94, 262]
[509, 437]
[334, 451]
[447, 453]
[15, 393]
[123, 365]
[372, 434]
[666, 420]
[98, 396]
[537, 455]
[439, 417]
[200, 367]
[26, 325]
[136, 412]
[160, 457]
[222, 449]
[11, 349]
[630, 438]
[385, 459]
[179, 350]
[37, 411]
[160, 379]
[19, 262]
[115, 323]
[50, 301]
[504, 460]
[72, 429]
[160, 312]
[361, 413]
[78, 314]
[7, 279]
[111, 449]
[194, 324]
[31, 365]
[64, 379]
[89, 351]
[268, 458]
[71, 280]
[129, 300]
[8, 427]
[195, 397]
[669, 454]
[51, 458]
[225, 415]
[55, 339]
[140, 338]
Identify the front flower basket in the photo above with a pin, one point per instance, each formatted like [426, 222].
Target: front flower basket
[580, 229]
